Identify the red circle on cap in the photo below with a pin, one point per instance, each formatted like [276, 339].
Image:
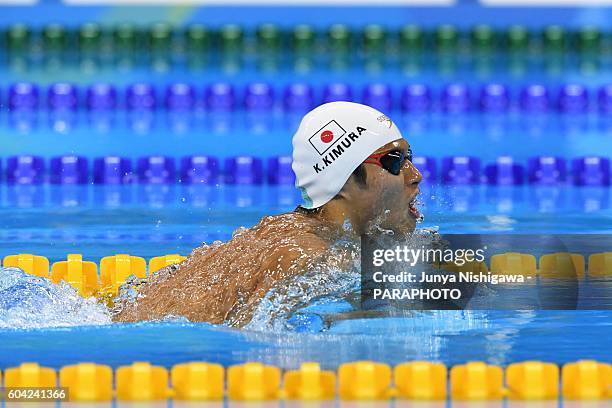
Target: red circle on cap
[327, 136]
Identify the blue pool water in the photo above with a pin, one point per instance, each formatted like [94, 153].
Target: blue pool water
[51, 325]
[150, 220]
[451, 337]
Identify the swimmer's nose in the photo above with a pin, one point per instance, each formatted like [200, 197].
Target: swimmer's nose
[412, 175]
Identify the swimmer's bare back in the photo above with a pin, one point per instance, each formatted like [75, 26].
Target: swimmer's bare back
[224, 283]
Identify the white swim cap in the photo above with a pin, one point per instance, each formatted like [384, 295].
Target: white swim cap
[331, 142]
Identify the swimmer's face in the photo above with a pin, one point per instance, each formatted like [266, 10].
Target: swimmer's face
[390, 199]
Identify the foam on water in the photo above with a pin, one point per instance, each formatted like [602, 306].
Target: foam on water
[30, 302]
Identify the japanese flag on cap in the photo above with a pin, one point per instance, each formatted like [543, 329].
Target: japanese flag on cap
[331, 142]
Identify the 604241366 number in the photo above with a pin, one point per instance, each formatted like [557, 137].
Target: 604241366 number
[24, 394]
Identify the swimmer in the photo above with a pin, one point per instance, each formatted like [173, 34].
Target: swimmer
[352, 166]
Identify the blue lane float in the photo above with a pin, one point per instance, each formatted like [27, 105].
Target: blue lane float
[452, 98]
[196, 169]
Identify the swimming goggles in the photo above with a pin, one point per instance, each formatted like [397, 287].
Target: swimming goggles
[392, 161]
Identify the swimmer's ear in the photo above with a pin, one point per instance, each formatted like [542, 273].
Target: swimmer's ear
[359, 177]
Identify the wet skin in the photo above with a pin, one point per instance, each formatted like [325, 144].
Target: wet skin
[389, 193]
[224, 283]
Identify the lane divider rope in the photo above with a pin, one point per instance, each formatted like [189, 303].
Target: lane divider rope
[361, 380]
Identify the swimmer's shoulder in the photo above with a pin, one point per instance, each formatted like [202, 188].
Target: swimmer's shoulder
[293, 235]
[293, 223]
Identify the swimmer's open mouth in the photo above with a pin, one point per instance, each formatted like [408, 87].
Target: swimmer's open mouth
[412, 208]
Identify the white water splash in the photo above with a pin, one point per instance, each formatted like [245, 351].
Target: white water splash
[327, 282]
[276, 307]
[29, 302]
